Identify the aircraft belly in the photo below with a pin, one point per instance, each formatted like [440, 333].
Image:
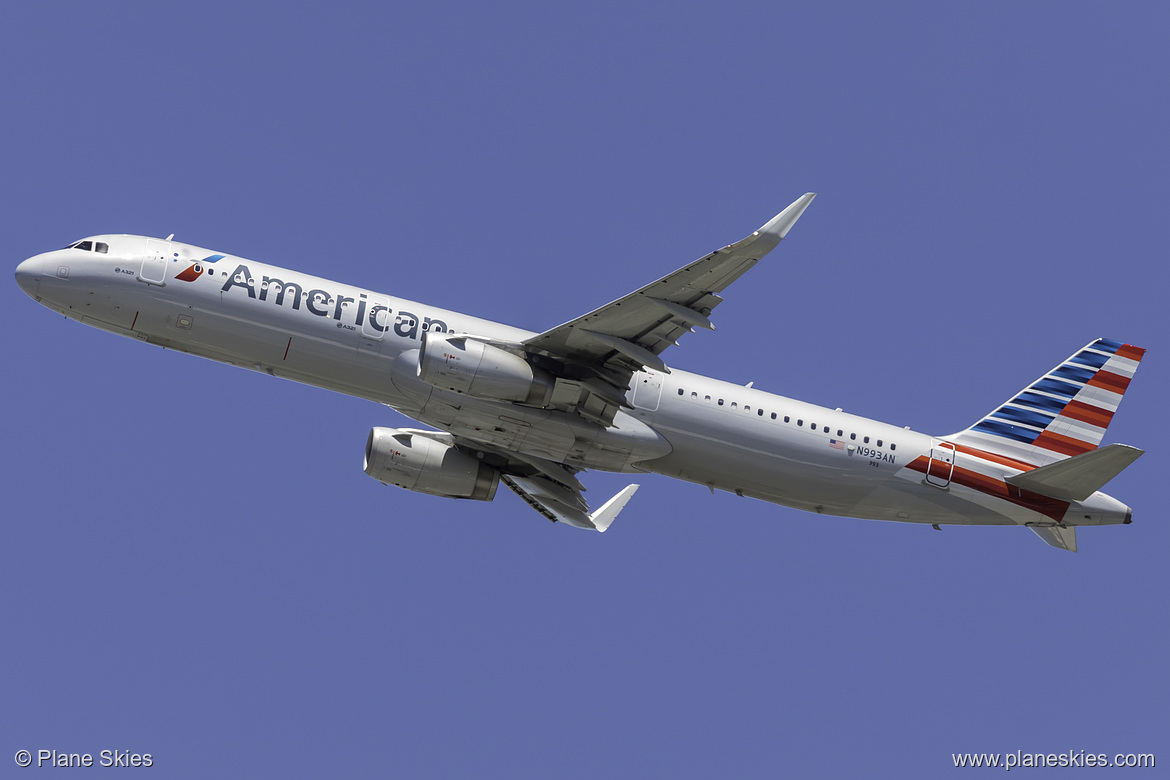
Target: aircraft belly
[531, 431]
[764, 470]
[542, 433]
[791, 472]
[908, 503]
[283, 348]
[805, 472]
[96, 305]
[104, 310]
[275, 345]
[825, 490]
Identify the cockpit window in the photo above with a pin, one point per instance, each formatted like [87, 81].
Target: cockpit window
[90, 246]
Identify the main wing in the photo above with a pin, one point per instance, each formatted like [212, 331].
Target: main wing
[552, 489]
[561, 504]
[599, 352]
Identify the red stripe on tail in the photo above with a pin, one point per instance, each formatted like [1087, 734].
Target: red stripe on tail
[1052, 508]
[1109, 381]
[1086, 413]
[1065, 445]
[1131, 352]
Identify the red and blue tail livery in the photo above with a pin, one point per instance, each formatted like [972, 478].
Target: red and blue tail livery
[1063, 413]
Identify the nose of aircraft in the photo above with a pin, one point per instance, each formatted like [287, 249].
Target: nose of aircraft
[28, 274]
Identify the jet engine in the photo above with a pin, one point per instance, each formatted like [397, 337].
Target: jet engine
[417, 462]
[462, 364]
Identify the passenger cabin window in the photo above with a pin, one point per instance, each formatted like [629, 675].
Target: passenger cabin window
[774, 417]
[800, 423]
[879, 442]
[853, 436]
[721, 402]
[680, 391]
[786, 418]
[866, 440]
[893, 446]
[760, 412]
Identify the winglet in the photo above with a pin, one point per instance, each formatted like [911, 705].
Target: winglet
[562, 504]
[609, 512]
[780, 224]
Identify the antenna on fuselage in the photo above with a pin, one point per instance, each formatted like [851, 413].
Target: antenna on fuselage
[168, 238]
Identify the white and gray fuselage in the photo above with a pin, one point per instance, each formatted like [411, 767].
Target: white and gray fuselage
[681, 424]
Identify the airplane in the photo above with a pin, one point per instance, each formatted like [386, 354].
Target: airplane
[534, 410]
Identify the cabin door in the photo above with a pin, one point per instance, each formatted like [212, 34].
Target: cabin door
[942, 464]
[154, 263]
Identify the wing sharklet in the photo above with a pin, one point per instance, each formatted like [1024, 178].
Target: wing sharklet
[605, 516]
[780, 224]
[552, 502]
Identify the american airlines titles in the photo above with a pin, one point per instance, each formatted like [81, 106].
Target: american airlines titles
[323, 303]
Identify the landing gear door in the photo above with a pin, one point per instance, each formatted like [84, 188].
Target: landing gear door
[154, 262]
[942, 464]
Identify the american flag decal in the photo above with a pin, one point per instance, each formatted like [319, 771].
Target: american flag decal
[836, 444]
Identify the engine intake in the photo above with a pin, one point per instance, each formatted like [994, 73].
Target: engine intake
[468, 366]
[416, 462]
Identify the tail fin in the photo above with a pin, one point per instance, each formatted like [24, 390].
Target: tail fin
[1063, 413]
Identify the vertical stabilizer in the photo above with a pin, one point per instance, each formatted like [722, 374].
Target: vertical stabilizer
[1063, 413]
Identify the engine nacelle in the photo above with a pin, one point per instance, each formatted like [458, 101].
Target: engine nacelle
[416, 462]
[468, 366]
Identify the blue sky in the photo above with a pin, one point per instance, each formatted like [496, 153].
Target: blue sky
[197, 567]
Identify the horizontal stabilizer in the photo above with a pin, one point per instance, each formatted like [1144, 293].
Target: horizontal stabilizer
[1060, 537]
[1080, 476]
